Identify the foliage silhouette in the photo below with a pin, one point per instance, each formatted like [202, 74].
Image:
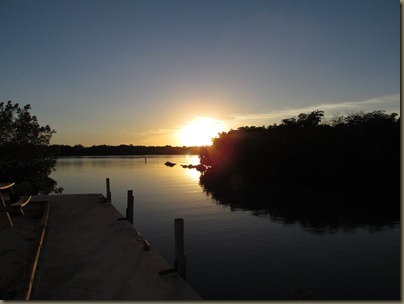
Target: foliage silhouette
[104, 150]
[349, 165]
[24, 149]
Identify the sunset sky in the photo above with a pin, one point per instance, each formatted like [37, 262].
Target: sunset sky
[150, 72]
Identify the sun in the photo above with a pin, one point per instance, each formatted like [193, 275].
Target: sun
[200, 131]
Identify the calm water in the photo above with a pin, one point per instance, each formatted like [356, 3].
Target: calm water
[234, 254]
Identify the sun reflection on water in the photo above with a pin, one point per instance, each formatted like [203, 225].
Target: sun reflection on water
[192, 173]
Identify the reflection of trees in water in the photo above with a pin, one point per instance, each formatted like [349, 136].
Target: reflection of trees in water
[329, 224]
[319, 211]
[341, 174]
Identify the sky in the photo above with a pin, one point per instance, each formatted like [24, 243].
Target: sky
[148, 72]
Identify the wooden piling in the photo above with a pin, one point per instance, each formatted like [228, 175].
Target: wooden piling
[129, 209]
[180, 257]
[108, 191]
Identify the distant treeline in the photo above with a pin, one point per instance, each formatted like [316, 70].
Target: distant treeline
[102, 150]
[353, 158]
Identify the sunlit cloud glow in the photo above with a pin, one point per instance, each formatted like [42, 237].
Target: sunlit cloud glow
[200, 130]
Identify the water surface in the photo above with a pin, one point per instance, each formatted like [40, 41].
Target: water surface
[235, 254]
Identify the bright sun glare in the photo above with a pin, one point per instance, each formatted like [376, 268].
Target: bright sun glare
[200, 131]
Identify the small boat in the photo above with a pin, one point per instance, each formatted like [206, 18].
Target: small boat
[170, 164]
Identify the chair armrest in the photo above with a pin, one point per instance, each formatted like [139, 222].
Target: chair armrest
[20, 203]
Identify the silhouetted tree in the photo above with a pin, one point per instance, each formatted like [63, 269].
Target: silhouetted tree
[24, 149]
[351, 158]
[102, 150]
[303, 120]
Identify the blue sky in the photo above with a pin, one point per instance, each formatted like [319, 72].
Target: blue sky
[137, 72]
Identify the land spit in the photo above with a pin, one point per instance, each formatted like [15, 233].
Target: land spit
[89, 252]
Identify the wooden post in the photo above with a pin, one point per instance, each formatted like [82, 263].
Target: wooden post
[180, 257]
[129, 209]
[108, 191]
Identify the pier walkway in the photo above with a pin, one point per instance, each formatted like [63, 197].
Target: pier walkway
[90, 253]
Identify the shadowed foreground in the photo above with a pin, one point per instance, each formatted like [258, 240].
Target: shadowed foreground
[90, 254]
[18, 248]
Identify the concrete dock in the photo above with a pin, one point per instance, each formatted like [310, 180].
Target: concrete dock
[90, 253]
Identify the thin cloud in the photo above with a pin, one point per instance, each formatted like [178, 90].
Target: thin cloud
[158, 131]
[157, 137]
[390, 103]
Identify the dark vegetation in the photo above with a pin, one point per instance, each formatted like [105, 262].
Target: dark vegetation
[25, 157]
[104, 150]
[309, 170]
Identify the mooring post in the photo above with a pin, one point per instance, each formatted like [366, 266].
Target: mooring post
[108, 191]
[180, 257]
[129, 209]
